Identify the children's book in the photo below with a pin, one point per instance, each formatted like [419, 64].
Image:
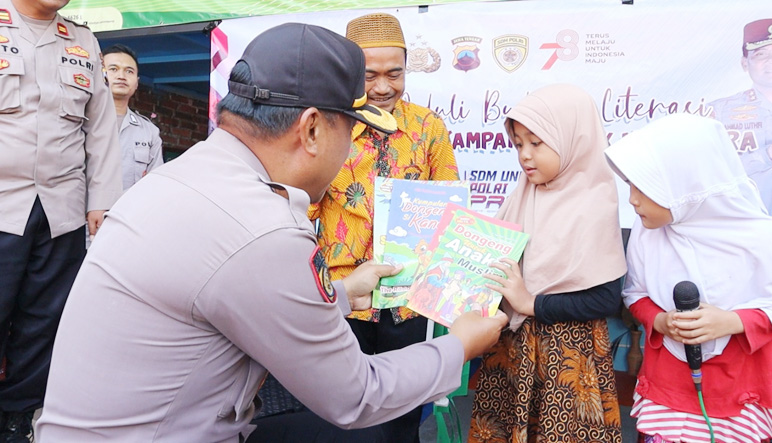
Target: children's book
[464, 246]
[382, 199]
[406, 215]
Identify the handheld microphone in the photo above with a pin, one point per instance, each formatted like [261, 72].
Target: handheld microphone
[687, 298]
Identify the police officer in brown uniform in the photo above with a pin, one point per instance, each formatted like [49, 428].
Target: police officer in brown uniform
[206, 275]
[140, 138]
[747, 115]
[59, 169]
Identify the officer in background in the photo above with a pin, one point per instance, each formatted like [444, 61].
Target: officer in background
[747, 115]
[206, 275]
[140, 138]
[59, 169]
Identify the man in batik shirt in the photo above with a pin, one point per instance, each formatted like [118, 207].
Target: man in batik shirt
[419, 150]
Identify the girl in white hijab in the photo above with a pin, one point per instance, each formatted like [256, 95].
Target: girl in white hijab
[701, 220]
[552, 377]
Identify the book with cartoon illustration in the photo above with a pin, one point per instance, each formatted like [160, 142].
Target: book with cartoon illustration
[382, 199]
[463, 248]
[414, 211]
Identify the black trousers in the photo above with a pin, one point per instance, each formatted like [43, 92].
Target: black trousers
[36, 274]
[305, 426]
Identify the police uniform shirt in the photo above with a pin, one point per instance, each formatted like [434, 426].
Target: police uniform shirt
[747, 117]
[218, 280]
[140, 147]
[57, 121]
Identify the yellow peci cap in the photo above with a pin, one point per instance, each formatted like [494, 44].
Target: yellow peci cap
[376, 31]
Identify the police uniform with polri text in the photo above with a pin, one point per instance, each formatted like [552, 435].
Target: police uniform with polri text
[59, 159]
[140, 147]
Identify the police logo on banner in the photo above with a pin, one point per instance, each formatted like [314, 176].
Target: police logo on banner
[423, 59]
[322, 276]
[510, 51]
[465, 56]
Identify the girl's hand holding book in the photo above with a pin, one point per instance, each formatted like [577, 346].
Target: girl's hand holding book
[512, 287]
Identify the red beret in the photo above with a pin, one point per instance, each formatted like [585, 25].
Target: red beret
[757, 34]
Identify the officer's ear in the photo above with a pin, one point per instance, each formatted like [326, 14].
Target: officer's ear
[310, 129]
[744, 62]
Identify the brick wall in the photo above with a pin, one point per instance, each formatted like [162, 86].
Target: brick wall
[182, 120]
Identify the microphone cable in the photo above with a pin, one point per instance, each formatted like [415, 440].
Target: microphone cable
[705, 414]
[697, 379]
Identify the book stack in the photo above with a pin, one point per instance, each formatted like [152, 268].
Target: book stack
[445, 249]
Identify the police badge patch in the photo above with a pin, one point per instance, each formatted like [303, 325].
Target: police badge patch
[77, 50]
[322, 276]
[81, 80]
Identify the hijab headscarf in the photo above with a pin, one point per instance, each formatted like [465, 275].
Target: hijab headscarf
[573, 220]
[721, 235]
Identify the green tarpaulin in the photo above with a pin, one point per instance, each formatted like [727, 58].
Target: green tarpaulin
[107, 15]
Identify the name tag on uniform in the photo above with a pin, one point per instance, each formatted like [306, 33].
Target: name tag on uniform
[322, 276]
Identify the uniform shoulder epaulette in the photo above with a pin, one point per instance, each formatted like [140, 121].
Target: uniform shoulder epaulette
[729, 99]
[143, 117]
[750, 95]
[150, 122]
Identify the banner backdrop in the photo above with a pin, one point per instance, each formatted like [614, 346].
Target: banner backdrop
[471, 62]
[109, 15]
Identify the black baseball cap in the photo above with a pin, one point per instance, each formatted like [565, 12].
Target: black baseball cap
[302, 65]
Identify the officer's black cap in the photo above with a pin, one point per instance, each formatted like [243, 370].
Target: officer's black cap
[304, 65]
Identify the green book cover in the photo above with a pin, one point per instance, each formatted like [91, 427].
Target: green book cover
[464, 246]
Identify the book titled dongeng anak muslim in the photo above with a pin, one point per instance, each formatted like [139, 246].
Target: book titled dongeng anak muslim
[415, 209]
[464, 246]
